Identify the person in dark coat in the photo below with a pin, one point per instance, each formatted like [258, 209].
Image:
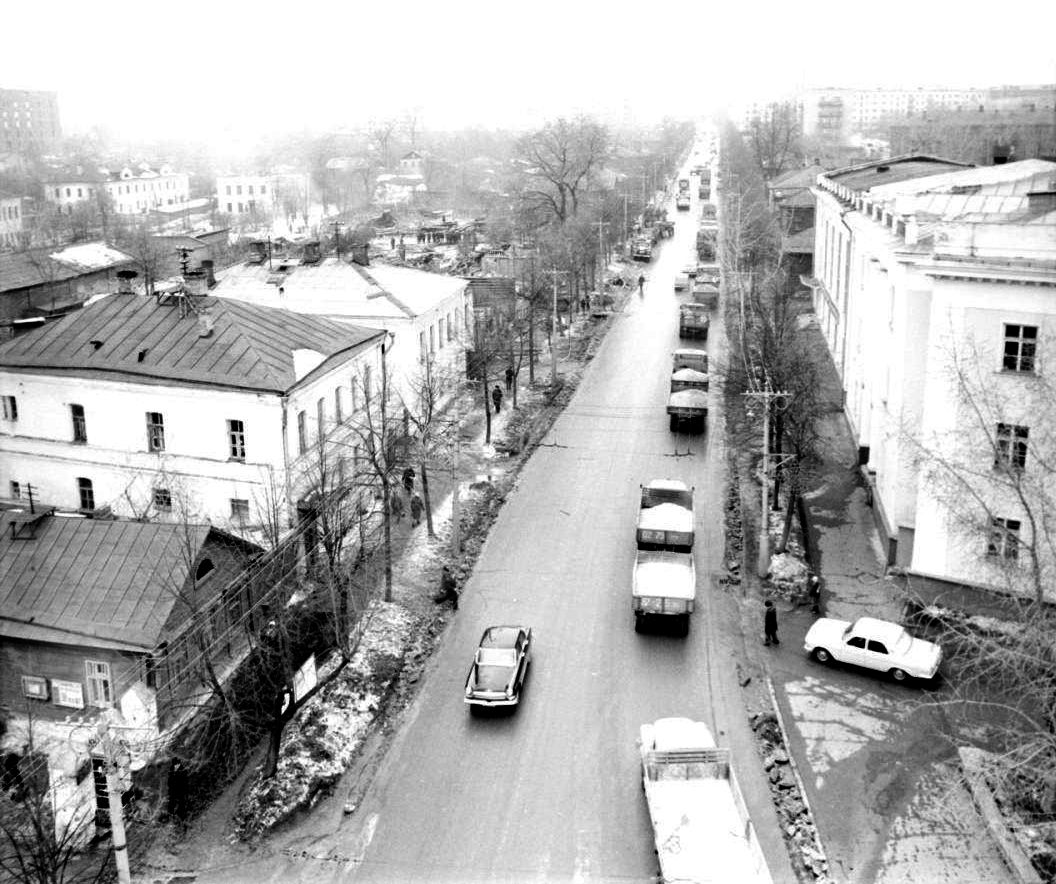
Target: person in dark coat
[814, 590]
[416, 509]
[641, 284]
[509, 379]
[496, 397]
[396, 506]
[448, 588]
[408, 479]
[770, 624]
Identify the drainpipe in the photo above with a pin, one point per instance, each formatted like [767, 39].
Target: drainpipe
[284, 401]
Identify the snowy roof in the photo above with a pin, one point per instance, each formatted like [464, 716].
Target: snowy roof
[339, 288]
[90, 256]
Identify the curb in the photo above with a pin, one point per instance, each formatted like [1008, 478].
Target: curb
[1013, 855]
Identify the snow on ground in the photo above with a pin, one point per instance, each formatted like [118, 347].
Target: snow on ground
[321, 742]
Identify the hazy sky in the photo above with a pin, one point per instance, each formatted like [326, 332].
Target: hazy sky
[229, 70]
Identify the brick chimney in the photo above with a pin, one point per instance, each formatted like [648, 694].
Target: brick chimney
[124, 281]
[207, 269]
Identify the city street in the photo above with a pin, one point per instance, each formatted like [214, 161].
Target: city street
[553, 791]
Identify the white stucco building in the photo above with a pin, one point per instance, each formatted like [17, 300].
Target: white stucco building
[245, 194]
[131, 191]
[935, 286]
[177, 406]
[428, 314]
[12, 220]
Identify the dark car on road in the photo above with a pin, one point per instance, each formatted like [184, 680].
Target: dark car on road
[499, 666]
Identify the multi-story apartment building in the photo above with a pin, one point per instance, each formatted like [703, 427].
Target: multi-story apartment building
[935, 285]
[29, 120]
[177, 407]
[245, 194]
[130, 191]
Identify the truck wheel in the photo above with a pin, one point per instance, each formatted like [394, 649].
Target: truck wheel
[821, 655]
[898, 675]
[673, 422]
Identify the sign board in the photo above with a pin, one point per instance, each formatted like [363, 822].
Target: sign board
[68, 693]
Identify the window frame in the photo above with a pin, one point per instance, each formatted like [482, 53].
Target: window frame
[80, 422]
[1019, 361]
[162, 499]
[236, 440]
[86, 492]
[239, 509]
[1003, 539]
[10, 408]
[155, 431]
[100, 683]
[1011, 443]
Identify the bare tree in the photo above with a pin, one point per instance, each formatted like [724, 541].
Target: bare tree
[382, 133]
[559, 162]
[774, 138]
[431, 439]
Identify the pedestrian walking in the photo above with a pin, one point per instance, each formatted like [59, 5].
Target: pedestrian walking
[408, 479]
[770, 624]
[509, 379]
[641, 283]
[416, 509]
[396, 506]
[496, 397]
[392, 243]
[814, 591]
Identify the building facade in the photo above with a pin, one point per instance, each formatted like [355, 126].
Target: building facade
[935, 286]
[130, 191]
[29, 120]
[176, 407]
[245, 194]
[13, 221]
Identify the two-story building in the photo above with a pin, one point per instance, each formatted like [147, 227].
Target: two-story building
[935, 286]
[245, 194]
[177, 407]
[428, 314]
[128, 191]
[13, 227]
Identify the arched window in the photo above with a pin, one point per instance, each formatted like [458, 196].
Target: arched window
[204, 569]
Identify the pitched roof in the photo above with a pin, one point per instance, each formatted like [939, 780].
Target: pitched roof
[19, 270]
[795, 178]
[339, 288]
[875, 173]
[139, 338]
[102, 583]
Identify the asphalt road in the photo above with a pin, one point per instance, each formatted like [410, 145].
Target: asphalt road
[553, 792]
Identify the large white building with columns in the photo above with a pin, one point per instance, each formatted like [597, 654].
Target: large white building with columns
[935, 287]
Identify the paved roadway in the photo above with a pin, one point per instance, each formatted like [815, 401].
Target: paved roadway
[552, 792]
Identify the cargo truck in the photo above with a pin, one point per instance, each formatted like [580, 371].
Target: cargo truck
[701, 825]
[664, 589]
[682, 202]
[665, 516]
[687, 403]
[693, 320]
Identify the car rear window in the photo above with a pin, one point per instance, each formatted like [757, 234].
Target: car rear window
[496, 656]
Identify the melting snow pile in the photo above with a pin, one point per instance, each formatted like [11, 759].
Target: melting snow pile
[321, 742]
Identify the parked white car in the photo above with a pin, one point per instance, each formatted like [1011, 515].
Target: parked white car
[873, 644]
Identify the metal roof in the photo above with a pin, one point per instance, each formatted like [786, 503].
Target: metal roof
[134, 337]
[877, 173]
[20, 270]
[80, 580]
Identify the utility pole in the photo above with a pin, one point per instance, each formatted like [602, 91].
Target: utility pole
[112, 767]
[553, 333]
[601, 225]
[779, 399]
[456, 510]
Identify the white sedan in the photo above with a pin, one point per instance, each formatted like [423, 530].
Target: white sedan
[873, 644]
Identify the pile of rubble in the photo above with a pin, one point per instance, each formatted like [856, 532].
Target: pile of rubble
[796, 820]
[734, 529]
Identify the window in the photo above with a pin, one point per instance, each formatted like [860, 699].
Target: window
[302, 432]
[263, 189]
[236, 440]
[16, 491]
[80, 430]
[857, 642]
[353, 398]
[163, 500]
[251, 190]
[238, 190]
[432, 340]
[1011, 449]
[450, 327]
[440, 333]
[97, 675]
[320, 417]
[79, 194]
[1004, 539]
[338, 411]
[230, 208]
[206, 566]
[366, 385]
[10, 408]
[86, 493]
[155, 431]
[229, 191]
[239, 509]
[67, 191]
[421, 347]
[1021, 343]
[877, 647]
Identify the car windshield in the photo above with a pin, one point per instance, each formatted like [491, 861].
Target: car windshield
[496, 656]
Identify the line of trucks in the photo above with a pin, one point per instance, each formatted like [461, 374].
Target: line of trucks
[701, 825]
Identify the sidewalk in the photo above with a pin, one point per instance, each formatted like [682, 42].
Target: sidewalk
[880, 778]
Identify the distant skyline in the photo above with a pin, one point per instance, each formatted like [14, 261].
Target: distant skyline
[227, 73]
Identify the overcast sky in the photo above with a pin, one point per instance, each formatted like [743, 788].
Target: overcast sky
[228, 70]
